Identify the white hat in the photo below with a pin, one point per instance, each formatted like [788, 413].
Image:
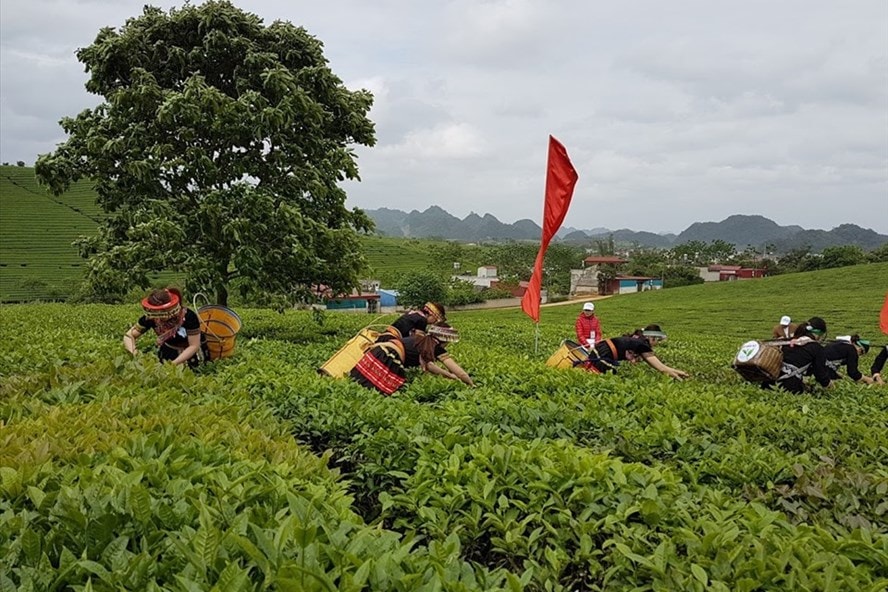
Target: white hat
[785, 320]
[590, 306]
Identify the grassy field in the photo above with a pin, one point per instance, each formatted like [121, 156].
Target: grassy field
[256, 473]
[37, 259]
[390, 258]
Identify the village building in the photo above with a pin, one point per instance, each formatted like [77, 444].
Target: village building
[585, 279]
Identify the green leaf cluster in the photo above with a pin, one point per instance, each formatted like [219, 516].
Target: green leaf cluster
[217, 152]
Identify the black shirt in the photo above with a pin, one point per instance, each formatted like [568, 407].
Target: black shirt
[880, 360]
[809, 355]
[842, 353]
[636, 345]
[409, 322]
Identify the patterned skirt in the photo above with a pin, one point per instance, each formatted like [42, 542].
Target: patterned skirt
[381, 367]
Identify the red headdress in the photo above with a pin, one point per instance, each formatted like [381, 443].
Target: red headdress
[165, 310]
[167, 317]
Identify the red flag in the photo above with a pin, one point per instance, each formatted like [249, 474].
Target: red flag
[883, 317]
[560, 180]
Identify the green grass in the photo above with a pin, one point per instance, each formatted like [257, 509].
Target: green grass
[37, 259]
[848, 298]
[390, 258]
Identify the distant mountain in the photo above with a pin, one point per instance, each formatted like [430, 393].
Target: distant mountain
[388, 222]
[846, 234]
[567, 230]
[577, 237]
[435, 222]
[739, 230]
[642, 238]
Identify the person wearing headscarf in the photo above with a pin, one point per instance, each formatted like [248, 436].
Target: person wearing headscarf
[177, 328]
[846, 351]
[803, 356]
[784, 329]
[608, 353]
[414, 321]
[588, 327]
[383, 366]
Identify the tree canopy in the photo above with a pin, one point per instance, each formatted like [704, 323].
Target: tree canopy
[217, 153]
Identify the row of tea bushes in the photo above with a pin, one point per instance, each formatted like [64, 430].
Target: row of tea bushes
[134, 476]
[256, 473]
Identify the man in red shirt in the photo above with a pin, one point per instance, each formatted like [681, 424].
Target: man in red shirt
[588, 327]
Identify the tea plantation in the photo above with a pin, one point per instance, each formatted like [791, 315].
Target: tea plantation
[37, 259]
[39, 262]
[256, 473]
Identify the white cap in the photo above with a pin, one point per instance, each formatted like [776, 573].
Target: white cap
[590, 306]
[785, 320]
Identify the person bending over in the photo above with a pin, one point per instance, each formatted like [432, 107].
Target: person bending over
[383, 366]
[803, 356]
[607, 354]
[846, 351]
[177, 328]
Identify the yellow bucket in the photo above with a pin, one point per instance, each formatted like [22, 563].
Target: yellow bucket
[569, 355]
[219, 325]
[341, 363]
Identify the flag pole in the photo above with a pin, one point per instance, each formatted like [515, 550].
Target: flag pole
[560, 180]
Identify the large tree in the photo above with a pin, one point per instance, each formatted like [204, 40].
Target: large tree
[217, 153]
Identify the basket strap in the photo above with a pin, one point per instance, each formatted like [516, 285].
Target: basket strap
[788, 371]
[605, 361]
[223, 323]
[194, 299]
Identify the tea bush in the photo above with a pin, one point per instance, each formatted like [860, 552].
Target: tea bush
[257, 473]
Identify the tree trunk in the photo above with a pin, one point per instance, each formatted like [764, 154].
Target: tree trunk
[222, 295]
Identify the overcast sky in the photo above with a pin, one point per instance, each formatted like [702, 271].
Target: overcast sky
[672, 112]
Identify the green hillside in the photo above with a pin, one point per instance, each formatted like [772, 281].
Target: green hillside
[388, 259]
[848, 298]
[37, 259]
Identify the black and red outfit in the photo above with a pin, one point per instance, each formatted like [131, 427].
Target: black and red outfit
[803, 357]
[383, 366]
[172, 335]
[842, 353]
[607, 354]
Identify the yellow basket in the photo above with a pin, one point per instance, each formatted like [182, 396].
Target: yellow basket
[341, 363]
[569, 355]
[219, 325]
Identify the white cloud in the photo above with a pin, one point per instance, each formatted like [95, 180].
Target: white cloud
[673, 112]
[450, 141]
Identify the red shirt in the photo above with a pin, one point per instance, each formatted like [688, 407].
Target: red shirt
[585, 326]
